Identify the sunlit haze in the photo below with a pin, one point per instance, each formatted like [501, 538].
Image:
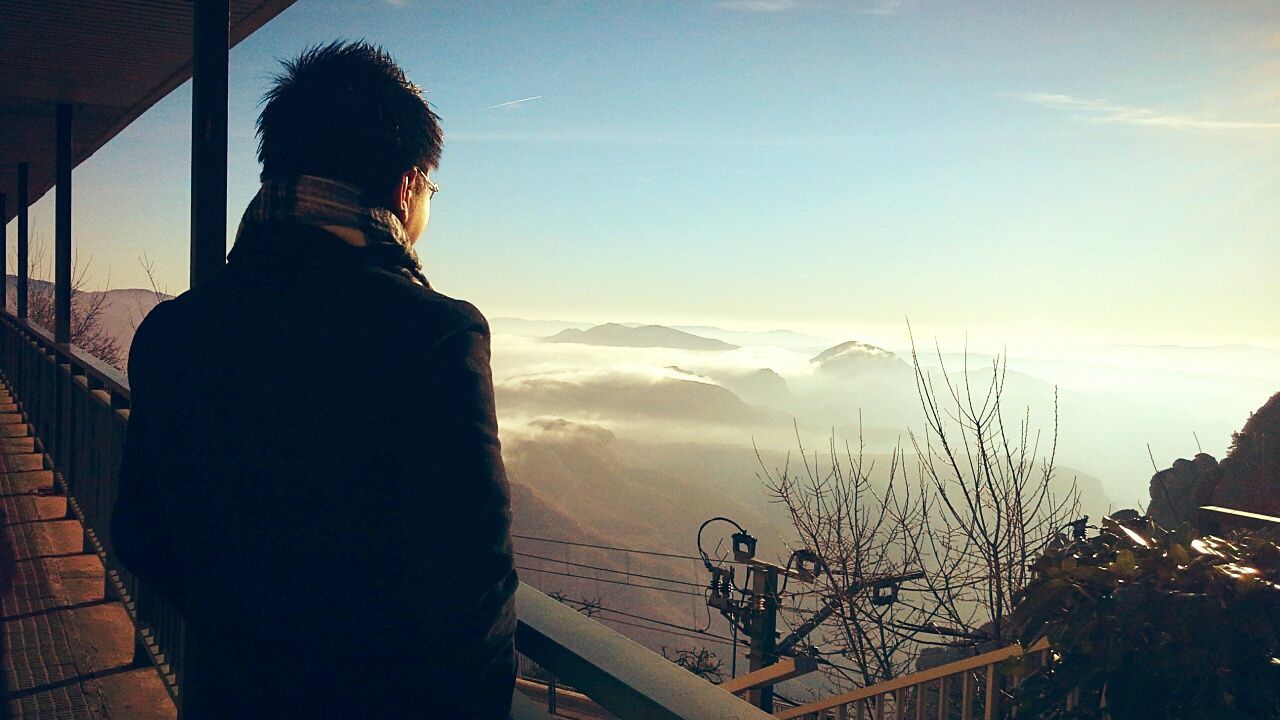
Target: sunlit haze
[1080, 184]
[1032, 173]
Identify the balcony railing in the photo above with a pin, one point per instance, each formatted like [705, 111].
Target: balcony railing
[966, 689]
[79, 408]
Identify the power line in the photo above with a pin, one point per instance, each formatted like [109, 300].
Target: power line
[690, 636]
[612, 570]
[617, 549]
[614, 582]
[842, 669]
[701, 633]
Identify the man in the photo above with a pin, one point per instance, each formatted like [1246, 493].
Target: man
[311, 473]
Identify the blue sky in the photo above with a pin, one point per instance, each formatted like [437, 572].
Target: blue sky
[1029, 172]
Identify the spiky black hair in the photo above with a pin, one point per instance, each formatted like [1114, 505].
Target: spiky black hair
[346, 111]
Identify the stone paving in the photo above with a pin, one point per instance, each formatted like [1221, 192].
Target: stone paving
[65, 651]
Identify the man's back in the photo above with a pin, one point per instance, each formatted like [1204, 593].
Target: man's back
[313, 476]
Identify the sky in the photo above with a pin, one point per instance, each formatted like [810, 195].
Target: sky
[1024, 173]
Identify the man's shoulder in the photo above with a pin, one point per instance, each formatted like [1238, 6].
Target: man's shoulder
[427, 314]
[158, 321]
[155, 331]
[424, 309]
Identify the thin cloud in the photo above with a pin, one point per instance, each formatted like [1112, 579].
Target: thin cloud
[888, 8]
[509, 103]
[397, 3]
[759, 6]
[879, 8]
[1102, 111]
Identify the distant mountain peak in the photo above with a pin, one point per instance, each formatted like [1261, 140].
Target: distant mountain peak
[856, 355]
[618, 335]
[855, 348]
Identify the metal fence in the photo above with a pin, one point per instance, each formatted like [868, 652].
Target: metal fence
[78, 407]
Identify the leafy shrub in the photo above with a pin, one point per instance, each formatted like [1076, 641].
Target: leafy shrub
[1169, 624]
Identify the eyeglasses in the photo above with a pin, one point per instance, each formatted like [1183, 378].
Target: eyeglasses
[432, 187]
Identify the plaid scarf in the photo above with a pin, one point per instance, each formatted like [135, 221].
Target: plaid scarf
[333, 206]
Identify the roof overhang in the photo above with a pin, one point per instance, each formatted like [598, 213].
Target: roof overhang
[110, 60]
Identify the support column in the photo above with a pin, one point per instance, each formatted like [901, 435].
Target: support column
[209, 141]
[4, 253]
[62, 223]
[23, 229]
[764, 631]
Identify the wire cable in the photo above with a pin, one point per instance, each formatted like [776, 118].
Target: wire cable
[655, 620]
[613, 582]
[690, 636]
[719, 518]
[612, 570]
[614, 548]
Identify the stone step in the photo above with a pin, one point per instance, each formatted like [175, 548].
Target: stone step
[17, 445]
[49, 507]
[19, 462]
[18, 429]
[31, 481]
[88, 640]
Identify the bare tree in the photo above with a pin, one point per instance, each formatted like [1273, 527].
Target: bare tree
[589, 606]
[700, 661]
[980, 504]
[997, 494]
[159, 294]
[865, 528]
[88, 330]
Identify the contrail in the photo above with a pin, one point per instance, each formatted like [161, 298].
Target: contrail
[512, 102]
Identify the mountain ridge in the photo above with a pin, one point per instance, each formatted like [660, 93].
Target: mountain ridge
[619, 335]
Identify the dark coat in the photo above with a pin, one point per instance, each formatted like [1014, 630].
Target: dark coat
[312, 476]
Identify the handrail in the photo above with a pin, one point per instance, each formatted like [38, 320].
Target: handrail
[624, 677]
[111, 379]
[917, 681]
[78, 409]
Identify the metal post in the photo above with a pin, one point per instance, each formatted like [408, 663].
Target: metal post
[764, 631]
[141, 656]
[23, 229]
[62, 222]
[4, 252]
[109, 589]
[209, 140]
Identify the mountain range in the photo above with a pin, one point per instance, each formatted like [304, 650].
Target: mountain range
[644, 336]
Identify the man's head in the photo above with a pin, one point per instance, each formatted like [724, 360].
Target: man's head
[346, 111]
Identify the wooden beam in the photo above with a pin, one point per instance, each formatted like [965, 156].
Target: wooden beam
[781, 671]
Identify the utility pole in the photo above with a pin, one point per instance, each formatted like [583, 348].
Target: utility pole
[763, 623]
[756, 614]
